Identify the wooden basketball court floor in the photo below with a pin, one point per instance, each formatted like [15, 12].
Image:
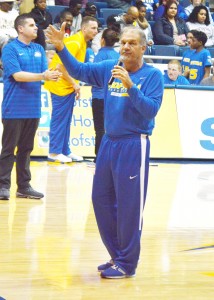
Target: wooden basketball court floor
[50, 249]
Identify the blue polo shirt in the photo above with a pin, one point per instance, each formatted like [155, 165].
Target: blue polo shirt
[22, 100]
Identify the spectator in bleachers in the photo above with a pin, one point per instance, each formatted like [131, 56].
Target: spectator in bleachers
[173, 75]
[7, 18]
[108, 40]
[42, 18]
[170, 29]
[75, 8]
[200, 60]
[209, 81]
[91, 11]
[143, 23]
[194, 3]
[149, 4]
[128, 18]
[66, 16]
[123, 4]
[187, 54]
[111, 24]
[16, 5]
[161, 8]
[199, 20]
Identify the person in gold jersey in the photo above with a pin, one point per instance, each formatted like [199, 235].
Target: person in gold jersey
[63, 94]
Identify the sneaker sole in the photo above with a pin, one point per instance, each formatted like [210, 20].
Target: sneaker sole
[58, 161]
[4, 198]
[117, 277]
[19, 195]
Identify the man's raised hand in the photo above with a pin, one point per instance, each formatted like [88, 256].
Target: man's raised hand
[55, 36]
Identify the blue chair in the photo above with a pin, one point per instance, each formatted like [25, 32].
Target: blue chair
[55, 10]
[164, 50]
[185, 3]
[102, 21]
[211, 50]
[106, 12]
[100, 5]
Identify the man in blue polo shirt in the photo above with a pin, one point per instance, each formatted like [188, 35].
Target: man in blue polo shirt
[25, 66]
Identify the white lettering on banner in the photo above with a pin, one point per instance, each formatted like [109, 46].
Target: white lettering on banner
[83, 103]
[44, 99]
[80, 121]
[83, 141]
[196, 122]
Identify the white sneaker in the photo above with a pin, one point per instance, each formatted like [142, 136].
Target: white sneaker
[75, 157]
[59, 158]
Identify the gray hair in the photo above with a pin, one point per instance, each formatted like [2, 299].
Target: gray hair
[138, 30]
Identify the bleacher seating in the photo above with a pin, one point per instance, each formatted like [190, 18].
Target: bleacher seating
[100, 5]
[106, 12]
[164, 50]
[211, 50]
[183, 49]
[55, 10]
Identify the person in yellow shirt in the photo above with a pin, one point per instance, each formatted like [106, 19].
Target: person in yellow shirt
[63, 94]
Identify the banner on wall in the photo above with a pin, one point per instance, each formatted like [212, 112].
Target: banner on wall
[184, 125]
[82, 139]
[195, 111]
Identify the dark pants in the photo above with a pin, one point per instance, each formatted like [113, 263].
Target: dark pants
[98, 116]
[18, 133]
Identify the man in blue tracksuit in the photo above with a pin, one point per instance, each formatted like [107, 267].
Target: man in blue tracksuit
[131, 102]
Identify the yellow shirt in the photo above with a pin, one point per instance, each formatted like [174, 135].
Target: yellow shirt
[76, 45]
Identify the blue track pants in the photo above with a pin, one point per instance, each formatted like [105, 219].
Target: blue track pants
[119, 193]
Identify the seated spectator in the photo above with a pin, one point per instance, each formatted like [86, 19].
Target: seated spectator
[143, 23]
[170, 29]
[160, 10]
[66, 16]
[149, 4]
[108, 40]
[7, 18]
[42, 18]
[111, 23]
[91, 11]
[128, 18]
[200, 60]
[75, 8]
[194, 3]
[123, 4]
[187, 54]
[16, 5]
[209, 81]
[199, 20]
[173, 74]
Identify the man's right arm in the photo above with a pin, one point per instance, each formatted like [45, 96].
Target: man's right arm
[31, 77]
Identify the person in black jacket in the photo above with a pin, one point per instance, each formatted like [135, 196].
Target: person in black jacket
[170, 29]
[42, 19]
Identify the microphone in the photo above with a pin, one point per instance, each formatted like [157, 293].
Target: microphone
[119, 63]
